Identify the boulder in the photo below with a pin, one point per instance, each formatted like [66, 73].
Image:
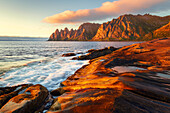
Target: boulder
[57, 92]
[68, 54]
[8, 92]
[27, 102]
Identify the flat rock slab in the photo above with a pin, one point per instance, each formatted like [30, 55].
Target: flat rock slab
[98, 88]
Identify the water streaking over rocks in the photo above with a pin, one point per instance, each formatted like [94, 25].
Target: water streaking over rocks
[39, 62]
[49, 74]
[133, 78]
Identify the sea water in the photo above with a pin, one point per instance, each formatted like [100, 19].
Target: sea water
[37, 61]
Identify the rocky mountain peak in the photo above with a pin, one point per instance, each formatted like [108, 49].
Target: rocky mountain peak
[125, 27]
[85, 31]
[130, 27]
[66, 29]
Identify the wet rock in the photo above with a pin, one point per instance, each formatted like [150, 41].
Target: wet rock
[95, 53]
[27, 102]
[155, 68]
[56, 105]
[68, 54]
[47, 104]
[120, 62]
[57, 92]
[91, 50]
[8, 92]
[5, 90]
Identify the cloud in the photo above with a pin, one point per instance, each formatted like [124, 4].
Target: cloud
[109, 9]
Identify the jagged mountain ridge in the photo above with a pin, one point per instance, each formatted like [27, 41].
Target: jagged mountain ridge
[130, 27]
[125, 27]
[85, 31]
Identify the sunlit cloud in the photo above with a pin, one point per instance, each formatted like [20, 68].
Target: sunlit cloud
[109, 9]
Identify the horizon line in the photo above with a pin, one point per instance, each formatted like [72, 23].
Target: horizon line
[25, 36]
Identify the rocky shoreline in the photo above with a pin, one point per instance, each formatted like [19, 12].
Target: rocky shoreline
[131, 79]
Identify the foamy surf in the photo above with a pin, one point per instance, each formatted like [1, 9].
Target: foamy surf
[49, 74]
[40, 62]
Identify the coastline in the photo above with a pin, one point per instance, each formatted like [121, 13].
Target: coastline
[98, 41]
[98, 87]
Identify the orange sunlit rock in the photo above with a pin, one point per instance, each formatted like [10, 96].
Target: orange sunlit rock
[98, 88]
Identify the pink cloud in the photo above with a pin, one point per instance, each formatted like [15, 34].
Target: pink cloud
[108, 9]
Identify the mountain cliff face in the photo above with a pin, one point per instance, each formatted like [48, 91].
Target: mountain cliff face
[125, 27]
[159, 33]
[130, 27]
[85, 32]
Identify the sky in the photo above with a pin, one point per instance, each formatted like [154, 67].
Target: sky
[39, 18]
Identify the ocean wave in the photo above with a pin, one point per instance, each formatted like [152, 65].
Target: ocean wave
[40, 62]
[49, 74]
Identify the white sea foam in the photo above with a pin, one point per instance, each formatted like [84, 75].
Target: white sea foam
[49, 74]
[44, 64]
